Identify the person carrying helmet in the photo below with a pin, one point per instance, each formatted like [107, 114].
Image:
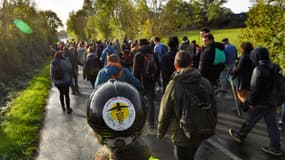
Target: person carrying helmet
[116, 114]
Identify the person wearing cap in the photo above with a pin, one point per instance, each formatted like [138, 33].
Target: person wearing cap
[185, 45]
[231, 56]
[114, 70]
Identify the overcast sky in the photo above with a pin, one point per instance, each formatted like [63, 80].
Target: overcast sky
[64, 7]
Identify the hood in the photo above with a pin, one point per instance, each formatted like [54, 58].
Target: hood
[188, 75]
[173, 51]
[219, 45]
[145, 49]
[259, 54]
[185, 41]
[91, 54]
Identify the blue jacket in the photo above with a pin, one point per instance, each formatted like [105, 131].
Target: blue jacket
[160, 49]
[108, 50]
[231, 54]
[105, 74]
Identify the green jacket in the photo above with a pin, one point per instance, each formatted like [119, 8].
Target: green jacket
[168, 119]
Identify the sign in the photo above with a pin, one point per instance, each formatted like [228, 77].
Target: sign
[119, 113]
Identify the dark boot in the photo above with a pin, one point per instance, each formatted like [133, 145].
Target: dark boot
[63, 108]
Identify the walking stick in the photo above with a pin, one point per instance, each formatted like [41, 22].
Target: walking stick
[235, 96]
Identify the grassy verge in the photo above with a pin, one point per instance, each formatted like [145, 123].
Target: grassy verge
[19, 132]
[219, 34]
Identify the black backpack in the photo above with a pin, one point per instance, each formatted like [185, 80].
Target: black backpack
[277, 97]
[150, 68]
[198, 111]
[57, 70]
[93, 65]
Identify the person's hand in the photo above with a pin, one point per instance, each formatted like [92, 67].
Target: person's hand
[251, 107]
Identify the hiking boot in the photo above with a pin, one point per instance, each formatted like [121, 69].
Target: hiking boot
[271, 151]
[234, 134]
[69, 111]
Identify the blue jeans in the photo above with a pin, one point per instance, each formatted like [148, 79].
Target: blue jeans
[269, 116]
[185, 152]
[223, 78]
[282, 119]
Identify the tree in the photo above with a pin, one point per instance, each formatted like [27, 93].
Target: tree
[76, 24]
[176, 15]
[264, 28]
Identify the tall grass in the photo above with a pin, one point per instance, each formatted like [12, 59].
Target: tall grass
[19, 132]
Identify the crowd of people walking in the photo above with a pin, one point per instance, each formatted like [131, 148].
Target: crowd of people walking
[151, 66]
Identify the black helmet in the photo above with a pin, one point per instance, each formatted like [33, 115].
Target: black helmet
[115, 109]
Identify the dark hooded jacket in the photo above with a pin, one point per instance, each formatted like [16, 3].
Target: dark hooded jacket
[242, 72]
[139, 65]
[207, 67]
[262, 78]
[167, 66]
[168, 115]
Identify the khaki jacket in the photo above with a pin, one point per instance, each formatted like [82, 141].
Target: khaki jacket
[168, 119]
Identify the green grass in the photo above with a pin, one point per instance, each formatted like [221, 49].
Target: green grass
[219, 34]
[19, 132]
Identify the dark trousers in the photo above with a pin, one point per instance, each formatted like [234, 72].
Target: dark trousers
[64, 94]
[149, 97]
[283, 113]
[185, 152]
[269, 115]
[92, 81]
[74, 83]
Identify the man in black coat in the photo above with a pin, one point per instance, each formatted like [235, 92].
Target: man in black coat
[148, 83]
[207, 67]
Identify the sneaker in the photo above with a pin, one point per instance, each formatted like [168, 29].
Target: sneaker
[271, 151]
[280, 126]
[235, 135]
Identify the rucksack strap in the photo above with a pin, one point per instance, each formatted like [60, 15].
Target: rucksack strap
[119, 75]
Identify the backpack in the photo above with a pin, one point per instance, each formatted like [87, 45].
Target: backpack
[220, 57]
[198, 113]
[127, 58]
[93, 65]
[278, 86]
[150, 68]
[57, 70]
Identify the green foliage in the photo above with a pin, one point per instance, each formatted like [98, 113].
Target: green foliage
[20, 52]
[264, 28]
[142, 18]
[76, 24]
[19, 133]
